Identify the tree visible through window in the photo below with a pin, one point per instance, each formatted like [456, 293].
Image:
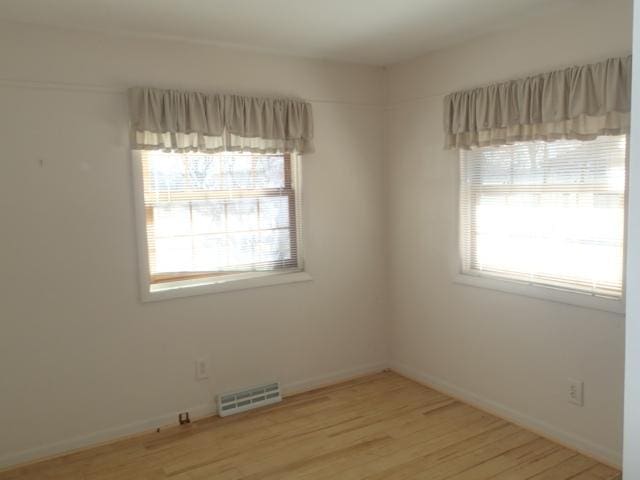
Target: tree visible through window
[546, 213]
[218, 214]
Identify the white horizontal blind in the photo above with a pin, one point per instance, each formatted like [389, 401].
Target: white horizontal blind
[546, 213]
[219, 214]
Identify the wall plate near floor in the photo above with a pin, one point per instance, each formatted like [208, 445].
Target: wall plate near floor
[202, 368]
[576, 392]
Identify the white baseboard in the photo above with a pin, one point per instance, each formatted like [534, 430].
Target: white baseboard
[542, 428]
[335, 377]
[100, 437]
[571, 440]
[111, 434]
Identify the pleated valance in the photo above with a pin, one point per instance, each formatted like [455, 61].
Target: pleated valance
[578, 103]
[178, 121]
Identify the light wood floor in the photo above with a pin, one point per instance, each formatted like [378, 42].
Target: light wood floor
[382, 427]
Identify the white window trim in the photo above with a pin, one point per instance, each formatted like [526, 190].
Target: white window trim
[534, 290]
[186, 288]
[551, 294]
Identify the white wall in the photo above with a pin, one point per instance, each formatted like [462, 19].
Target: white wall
[508, 353]
[81, 359]
[632, 331]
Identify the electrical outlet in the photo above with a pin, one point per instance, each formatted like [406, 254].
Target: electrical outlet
[202, 368]
[576, 392]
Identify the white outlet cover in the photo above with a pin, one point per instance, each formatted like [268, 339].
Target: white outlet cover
[202, 369]
[576, 392]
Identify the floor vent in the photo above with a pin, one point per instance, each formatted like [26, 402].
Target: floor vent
[243, 400]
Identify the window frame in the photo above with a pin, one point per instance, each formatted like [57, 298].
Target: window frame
[199, 283]
[550, 293]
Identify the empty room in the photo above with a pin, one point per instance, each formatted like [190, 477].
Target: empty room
[319, 239]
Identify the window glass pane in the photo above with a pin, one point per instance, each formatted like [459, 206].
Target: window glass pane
[270, 171]
[242, 248]
[546, 213]
[275, 245]
[210, 252]
[217, 214]
[208, 216]
[222, 172]
[173, 254]
[172, 219]
[274, 212]
[242, 214]
[165, 172]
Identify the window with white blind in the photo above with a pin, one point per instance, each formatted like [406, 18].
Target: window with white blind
[546, 214]
[217, 218]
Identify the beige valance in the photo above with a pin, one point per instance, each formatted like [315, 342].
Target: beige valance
[178, 121]
[578, 102]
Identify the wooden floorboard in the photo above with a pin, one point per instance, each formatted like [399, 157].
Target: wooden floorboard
[380, 427]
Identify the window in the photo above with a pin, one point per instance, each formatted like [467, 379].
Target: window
[549, 214]
[213, 218]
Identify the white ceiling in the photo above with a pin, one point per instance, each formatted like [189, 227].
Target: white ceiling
[377, 32]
